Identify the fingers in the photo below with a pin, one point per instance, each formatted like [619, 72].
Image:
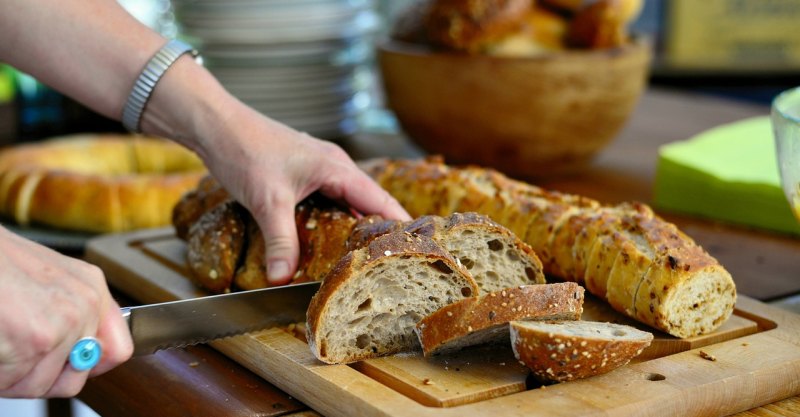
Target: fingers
[115, 340]
[363, 194]
[51, 376]
[367, 197]
[51, 302]
[280, 238]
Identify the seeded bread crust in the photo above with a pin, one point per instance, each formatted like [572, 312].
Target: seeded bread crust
[215, 246]
[494, 256]
[194, 203]
[624, 254]
[234, 256]
[566, 351]
[484, 319]
[391, 284]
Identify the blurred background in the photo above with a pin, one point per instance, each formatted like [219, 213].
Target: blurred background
[310, 63]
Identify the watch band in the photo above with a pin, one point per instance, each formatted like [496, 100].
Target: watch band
[144, 85]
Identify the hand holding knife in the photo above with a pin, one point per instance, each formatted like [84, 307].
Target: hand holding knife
[185, 322]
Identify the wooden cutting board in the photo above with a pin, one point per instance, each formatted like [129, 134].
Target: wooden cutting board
[757, 356]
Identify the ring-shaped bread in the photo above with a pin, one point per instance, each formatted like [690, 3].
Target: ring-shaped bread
[96, 182]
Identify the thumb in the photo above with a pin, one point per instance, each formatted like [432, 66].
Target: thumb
[280, 238]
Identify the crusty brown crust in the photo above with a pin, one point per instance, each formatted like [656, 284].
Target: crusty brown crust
[398, 245]
[207, 195]
[579, 239]
[368, 228]
[448, 232]
[215, 246]
[323, 229]
[561, 357]
[472, 25]
[602, 24]
[452, 323]
[96, 182]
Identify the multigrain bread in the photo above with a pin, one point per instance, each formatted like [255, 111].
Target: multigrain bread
[494, 256]
[626, 254]
[195, 202]
[214, 246]
[569, 350]
[225, 246]
[484, 319]
[370, 302]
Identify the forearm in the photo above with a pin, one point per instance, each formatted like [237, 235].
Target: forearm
[91, 50]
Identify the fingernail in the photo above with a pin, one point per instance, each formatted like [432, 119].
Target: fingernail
[277, 269]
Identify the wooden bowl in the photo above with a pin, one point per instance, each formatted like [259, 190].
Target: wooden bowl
[525, 116]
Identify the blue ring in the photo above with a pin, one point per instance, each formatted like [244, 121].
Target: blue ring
[85, 354]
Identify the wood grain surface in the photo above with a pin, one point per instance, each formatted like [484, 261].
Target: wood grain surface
[761, 345]
[764, 266]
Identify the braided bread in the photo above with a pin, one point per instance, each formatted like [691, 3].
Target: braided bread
[226, 247]
[642, 265]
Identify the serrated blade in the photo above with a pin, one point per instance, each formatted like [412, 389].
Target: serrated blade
[198, 320]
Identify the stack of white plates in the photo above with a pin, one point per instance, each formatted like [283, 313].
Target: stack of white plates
[305, 63]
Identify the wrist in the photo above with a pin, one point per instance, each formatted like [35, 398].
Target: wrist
[188, 105]
[148, 79]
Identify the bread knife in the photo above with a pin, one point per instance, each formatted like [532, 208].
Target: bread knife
[198, 320]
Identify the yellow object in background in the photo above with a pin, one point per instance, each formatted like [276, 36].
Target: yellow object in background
[733, 35]
[6, 84]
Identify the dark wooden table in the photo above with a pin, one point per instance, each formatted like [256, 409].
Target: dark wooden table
[198, 381]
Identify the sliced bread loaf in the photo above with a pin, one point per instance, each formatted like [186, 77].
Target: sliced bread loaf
[370, 302]
[569, 350]
[493, 255]
[638, 262]
[484, 319]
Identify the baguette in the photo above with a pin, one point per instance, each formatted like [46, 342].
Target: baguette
[369, 303]
[570, 350]
[644, 266]
[485, 318]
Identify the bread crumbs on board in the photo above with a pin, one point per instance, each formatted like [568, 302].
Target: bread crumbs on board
[707, 356]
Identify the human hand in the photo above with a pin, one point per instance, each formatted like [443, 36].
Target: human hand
[49, 302]
[270, 167]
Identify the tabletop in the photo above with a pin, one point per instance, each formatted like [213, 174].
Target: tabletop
[199, 381]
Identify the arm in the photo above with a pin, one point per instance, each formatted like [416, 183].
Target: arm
[92, 50]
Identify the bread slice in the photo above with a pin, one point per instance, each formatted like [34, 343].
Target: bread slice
[494, 256]
[370, 302]
[484, 319]
[685, 293]
[570, 350]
